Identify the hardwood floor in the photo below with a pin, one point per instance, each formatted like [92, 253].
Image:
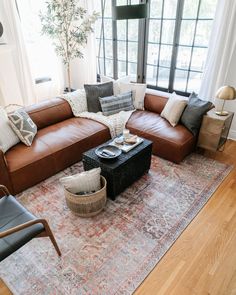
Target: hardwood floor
[203, 260]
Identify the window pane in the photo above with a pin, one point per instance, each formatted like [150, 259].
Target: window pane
[99, 48]
[121, 69]
[152, 56]
[121, 2]
[190, 8]
[163, 77]
[183, 57]
[108, 28]
[187, 32]
[198, 59]
[98, 28]
[132, 71]
[207, 8]
[165, 55]
[107, 10]
[155, 8]
[180, 80]
[108, 49]
[121, 50]
[168, 31]
[133, 29]
[194, 82]
[170, 8]
[101, 66]
[203, 32]
[151, 75]
[121, 29]
[109, 67]
[154, 31]
[132, 51]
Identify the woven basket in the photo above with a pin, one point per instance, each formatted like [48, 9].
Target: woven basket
[87, 205]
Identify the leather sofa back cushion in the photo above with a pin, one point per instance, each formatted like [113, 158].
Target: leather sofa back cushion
[49, 112]
[154, 103]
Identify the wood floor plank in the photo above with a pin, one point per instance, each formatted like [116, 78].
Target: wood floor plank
[203, 259]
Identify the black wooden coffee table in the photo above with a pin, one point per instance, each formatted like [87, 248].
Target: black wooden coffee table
[123, 171]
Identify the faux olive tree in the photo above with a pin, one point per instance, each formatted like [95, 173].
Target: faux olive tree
[68, 25]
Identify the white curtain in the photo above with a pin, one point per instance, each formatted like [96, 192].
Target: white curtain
[84, 71]
[221, 59]
[21, 69]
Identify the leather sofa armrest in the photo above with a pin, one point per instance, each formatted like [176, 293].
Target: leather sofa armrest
[4, 173]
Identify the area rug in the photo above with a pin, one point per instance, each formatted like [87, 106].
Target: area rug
[113, 252]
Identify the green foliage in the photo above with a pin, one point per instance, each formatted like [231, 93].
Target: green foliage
[68, 25]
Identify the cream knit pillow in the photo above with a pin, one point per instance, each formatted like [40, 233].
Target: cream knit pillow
[174, 109]
[87, 181]
[138, 93]
[8, 138]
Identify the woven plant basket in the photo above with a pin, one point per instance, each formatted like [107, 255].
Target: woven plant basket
[87, 205]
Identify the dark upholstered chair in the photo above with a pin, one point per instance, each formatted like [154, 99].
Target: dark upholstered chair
[18, 226]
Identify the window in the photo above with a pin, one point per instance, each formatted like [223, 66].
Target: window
[167, 50]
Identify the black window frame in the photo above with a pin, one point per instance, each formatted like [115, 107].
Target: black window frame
[143, 42]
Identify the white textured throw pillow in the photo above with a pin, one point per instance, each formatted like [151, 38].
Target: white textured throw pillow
[8, 138]
[77, 100]
[174, 109]
[138, 90]
[87, 181]
[116, 83]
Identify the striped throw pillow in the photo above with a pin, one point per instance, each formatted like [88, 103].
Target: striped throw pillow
[114, 104]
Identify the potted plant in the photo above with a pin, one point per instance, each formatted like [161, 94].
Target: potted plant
[68, 25]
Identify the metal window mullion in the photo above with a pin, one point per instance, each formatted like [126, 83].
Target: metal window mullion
[160, 37]
[194, 37]
[179, 13]
[103, 3]
[142, 47]
[114, 44]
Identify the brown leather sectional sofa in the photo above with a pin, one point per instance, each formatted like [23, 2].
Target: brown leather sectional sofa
[62, 138]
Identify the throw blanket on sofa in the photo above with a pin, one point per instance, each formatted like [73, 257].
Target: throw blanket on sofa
[78, 103]
[116, 123]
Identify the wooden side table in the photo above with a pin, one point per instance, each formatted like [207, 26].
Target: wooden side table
[214, 130]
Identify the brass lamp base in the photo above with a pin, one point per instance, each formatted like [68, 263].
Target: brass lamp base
[221, 113]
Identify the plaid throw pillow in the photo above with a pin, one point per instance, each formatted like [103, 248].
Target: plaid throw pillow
[114, 104]
[23, 126]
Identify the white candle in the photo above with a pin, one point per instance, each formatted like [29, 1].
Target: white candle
[126, 133]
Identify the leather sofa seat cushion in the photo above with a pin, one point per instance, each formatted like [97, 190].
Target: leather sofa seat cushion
[54, 148]
[171, 143]
[12, 213]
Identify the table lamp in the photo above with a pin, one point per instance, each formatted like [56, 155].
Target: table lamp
[225, 93]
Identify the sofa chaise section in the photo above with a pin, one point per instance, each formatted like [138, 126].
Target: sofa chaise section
[171, 143]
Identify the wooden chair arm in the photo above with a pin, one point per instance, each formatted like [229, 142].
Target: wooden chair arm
[23, 226]
[4, 189]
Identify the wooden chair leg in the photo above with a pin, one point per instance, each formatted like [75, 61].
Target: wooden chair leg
[51, 236]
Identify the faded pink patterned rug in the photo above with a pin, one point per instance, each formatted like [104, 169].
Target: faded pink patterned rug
[113, 252]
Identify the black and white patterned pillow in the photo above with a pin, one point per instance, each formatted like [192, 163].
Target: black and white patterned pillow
[23, 126]
[114, 104]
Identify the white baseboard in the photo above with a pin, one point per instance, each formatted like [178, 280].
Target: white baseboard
[232, 134]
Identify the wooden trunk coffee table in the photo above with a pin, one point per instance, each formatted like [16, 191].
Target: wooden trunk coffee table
[123, 171]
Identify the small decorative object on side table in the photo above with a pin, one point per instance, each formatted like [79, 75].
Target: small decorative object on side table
[214, 130]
